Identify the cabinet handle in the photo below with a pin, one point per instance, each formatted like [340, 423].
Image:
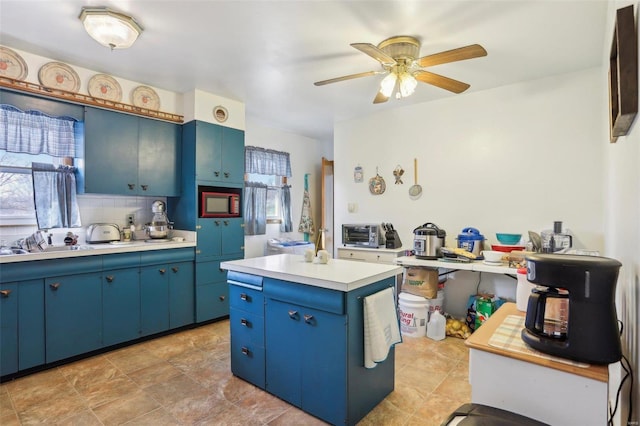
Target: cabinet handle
[54, 286]
[226, 222]
[308, 319]
[221, 298]
[175, 268]
[245, 351]
[216, 173]
[198, 252]
[243, 296]
[293, 315]
[109, 278]
[198, 226]
[242, 225]
[5, 293]
[244, 322]
[226, 174]
[217, 222]
[144, 187]
[162, 271]
[131, 186]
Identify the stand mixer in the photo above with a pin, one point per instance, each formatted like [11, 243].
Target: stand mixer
[572, 312]
[160, 225]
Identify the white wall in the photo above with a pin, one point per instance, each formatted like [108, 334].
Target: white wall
[511, 159]
[622, 231]
[306, 157]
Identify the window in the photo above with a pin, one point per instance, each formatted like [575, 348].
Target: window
[16, 186]
[274, 183]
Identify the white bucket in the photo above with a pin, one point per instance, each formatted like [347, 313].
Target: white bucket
[413, 311]
[435, 304]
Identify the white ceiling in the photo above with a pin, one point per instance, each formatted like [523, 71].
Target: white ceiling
[267, 54]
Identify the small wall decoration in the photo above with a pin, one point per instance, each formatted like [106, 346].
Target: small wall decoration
[377, 186]
[623, 74]
[397, 173]
[358, 174]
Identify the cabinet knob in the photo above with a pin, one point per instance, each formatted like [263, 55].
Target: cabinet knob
[308, 319]
[5, 293]
[221, 298]
[175, 269]
[226, 174]
[144, 187]
[245, 323]
[198, 252]
[216, 174]
[242, 225]
[244, 296]
[245, 351]
[162, 271]
[54, 286]
[217, 222]
[293, 315]
[109, 278]
[198, 226]
[131, 186]
[226, 222]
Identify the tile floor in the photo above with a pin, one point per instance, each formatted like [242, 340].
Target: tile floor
[185, 379]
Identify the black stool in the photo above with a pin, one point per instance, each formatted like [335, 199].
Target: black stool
[483, 415]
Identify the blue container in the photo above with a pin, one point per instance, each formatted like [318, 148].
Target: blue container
[471, 240]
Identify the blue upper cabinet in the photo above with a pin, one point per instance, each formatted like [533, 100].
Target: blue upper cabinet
[219, 153]
[130, 155]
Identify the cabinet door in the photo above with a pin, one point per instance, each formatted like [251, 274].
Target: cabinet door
[232, 233]
[120, 305]
[73, 306]
[209, 238]
[208, 152]
[232, 155]
[110, 152]
[158, 158]
[283, 350]
[212, 291]
[31, 328]
[181, 294]
[154, 299]
[8, 328]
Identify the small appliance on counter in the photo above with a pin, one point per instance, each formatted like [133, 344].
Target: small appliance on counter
[572, 312]
[428, 241]
[159, 227]
[363, 235]
[471, 240]
[99, 233]
[391, 236]
[555, 241]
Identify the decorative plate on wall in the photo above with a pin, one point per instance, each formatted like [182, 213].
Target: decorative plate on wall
[56, 75]
[12, 65]
[103, 86]
[145, 97]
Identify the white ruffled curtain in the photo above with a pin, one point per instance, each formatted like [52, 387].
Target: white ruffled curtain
[54, 191]
[266, 161]
[255, 208]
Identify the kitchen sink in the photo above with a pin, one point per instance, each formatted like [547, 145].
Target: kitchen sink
[7, 251]
[49, 249]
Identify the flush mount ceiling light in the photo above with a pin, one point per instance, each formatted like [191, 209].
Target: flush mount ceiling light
[110, 28]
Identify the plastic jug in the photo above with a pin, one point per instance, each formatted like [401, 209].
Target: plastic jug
[436, 326]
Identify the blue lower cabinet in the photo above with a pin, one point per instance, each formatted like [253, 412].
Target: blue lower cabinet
[73, 306]
[154, 299]
[212, 301]
[246, 322]
[31, 324]
[120, 305]
[181, 294]
[8, 328]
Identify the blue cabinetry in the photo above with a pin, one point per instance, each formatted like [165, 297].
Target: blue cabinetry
[220, 151]
[8, 328]
[130, 155]
[120, 305]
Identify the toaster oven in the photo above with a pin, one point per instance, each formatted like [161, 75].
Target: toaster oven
[363, 235]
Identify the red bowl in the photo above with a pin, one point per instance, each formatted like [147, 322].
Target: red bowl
[506, 249]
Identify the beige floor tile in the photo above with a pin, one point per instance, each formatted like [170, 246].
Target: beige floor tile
[158, 417]
[132, 359]
[121, 410]
[295, 416]
[84, 418]
[105, 391]
[54, 409]
[9, 419]
[154, 374]
[88, 372]
[175, 389]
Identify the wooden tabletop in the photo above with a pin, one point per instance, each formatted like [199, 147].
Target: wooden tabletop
[480, 340]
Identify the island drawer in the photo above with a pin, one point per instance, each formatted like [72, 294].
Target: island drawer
[246, 299]
[248, 362]
[247, 328]
[305, 295]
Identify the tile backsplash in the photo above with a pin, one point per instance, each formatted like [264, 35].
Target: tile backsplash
[93, 209]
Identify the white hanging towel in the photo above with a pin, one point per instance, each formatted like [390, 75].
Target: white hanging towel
[381, 329]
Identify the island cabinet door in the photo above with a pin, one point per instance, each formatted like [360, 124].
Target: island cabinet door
[306, 360]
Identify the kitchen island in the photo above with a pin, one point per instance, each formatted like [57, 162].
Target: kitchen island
[297, 331]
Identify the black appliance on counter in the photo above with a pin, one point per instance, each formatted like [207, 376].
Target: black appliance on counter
[392, 239]
[572, 312]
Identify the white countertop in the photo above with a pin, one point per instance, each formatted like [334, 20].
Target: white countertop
[338, 274]
[477, 266]
[100, 249]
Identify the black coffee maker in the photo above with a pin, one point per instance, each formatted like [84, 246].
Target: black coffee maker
[572, 312]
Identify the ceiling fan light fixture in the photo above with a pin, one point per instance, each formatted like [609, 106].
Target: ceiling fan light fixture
[110, 28]
[388, 84]
[408, 84]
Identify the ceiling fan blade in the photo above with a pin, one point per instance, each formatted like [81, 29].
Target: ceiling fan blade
[348, 77]
[459, 54]
[380, 98]
[375, 53]
[443, 82]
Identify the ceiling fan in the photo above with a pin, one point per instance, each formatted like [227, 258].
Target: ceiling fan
[398, 56]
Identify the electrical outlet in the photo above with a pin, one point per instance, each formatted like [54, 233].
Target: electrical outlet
[131, 219]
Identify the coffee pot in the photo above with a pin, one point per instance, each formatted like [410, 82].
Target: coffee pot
[572, 312]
